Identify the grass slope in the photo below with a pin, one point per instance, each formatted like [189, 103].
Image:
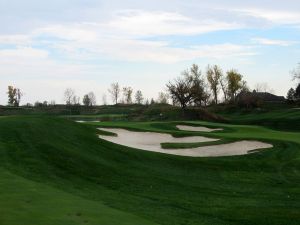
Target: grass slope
[56, 171]
[26, 202]
[287, 119]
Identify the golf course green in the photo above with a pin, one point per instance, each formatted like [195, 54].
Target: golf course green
[54, 171]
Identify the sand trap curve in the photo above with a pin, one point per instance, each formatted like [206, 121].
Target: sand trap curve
[202, 129]
[149, 141]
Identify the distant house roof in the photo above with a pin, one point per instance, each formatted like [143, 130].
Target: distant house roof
[265, 96]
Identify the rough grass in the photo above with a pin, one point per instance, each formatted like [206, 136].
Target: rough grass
[55, 171]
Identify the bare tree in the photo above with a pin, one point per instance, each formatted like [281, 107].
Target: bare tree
[198, 84]
[180, 91]
[92, 98]
[206, 95]
[190, 88]
[75, 100]
[69, 95]
[104, 99]
[163, 98]
[263, 87]
[127, 93]
[19, 95]
[214, 75]
[296, 72]
[52, 103]
[115, 92]
[224, 87]
[139, 97]
[245, 87]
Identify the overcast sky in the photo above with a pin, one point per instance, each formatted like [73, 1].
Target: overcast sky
[48, 46]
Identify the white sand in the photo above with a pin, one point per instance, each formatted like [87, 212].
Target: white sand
[86, 121]
[149, 141]
[202, 129]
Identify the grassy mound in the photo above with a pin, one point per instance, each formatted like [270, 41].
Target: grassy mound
[55, 171]
[276, 116]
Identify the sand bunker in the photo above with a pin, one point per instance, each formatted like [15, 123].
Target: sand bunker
[87, 121]
[149, 141]
[202, 129]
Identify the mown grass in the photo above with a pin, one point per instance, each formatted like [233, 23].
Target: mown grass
[55, 171]
[282, 119]
[26, 202]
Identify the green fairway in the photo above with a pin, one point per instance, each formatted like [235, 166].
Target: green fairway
[26, 202]
[56, 171]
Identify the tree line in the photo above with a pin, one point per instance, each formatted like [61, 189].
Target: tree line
[192, 88]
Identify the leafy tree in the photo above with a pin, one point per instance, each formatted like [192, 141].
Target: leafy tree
[291, 95]
[127, 92]
[198, 90]
[214, 75]
[11, 95]
[234, 81]
[86, 100]
[139, 97]
[14, 96]
[115, 92]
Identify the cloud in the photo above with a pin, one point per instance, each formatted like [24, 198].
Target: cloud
[70, 32]
[15, 40]
[135, 50]
[22, 53]
[148, 23]
[273, 16]
[265, 41]
[121, 39]
[141, 51]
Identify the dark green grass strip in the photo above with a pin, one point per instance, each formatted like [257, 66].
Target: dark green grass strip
[194, 145]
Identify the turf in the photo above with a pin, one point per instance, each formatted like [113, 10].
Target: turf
[55, 171]
[26, 202]
[282, 119]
